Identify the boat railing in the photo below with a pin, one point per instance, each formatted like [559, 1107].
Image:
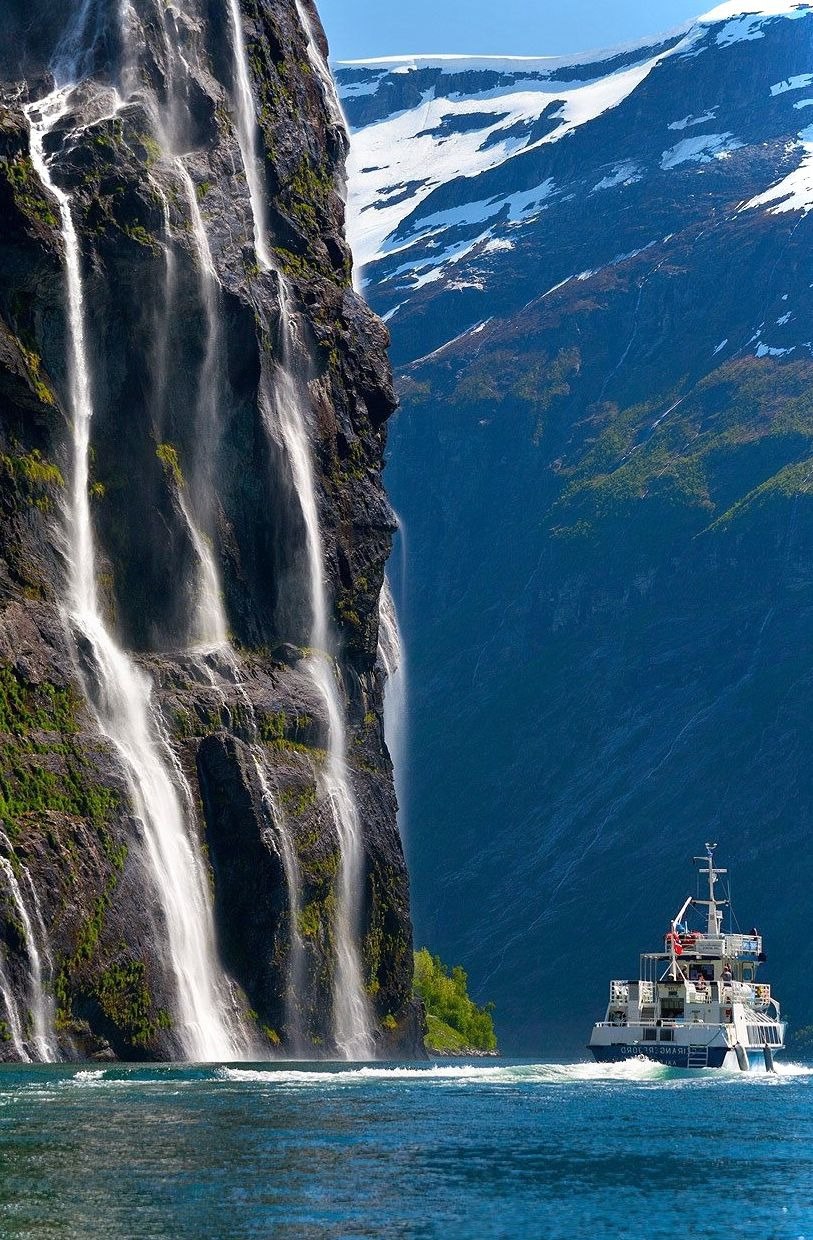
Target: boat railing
[743, 944]
[698, 994]
[619, 992]
[756, 995]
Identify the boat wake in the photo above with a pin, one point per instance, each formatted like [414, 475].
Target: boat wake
[328, 1077]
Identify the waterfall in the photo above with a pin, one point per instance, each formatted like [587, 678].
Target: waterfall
[247, 138]
[211, 627]
[210, 624]
[121, 695]
[13, 1021]
[393, 664]
[42, 1015]
[283, 844]
[321, 69]
[351, 1012]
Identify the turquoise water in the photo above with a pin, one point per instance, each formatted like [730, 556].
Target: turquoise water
[510, 1150]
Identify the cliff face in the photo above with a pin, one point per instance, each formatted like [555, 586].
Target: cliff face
[192, 489]
[599, 295]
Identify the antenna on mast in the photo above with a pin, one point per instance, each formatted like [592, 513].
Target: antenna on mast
[715, 917]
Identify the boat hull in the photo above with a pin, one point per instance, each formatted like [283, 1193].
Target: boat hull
[672, 1056]
[679, 1056]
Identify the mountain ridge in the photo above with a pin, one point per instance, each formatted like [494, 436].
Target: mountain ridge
[602, 462]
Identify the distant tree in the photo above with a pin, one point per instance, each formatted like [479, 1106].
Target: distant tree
[446, 997]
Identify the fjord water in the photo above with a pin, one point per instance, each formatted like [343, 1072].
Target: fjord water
[514, 1149]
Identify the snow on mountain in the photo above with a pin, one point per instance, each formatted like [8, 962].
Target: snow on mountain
[597, 277]
[455, 160]
[512, 105]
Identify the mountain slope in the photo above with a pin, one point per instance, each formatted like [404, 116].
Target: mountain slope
[598, 283]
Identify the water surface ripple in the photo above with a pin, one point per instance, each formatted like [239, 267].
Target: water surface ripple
[509, 1149]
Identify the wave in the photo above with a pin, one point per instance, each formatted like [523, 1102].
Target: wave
[454, 1074]
[329, 1076]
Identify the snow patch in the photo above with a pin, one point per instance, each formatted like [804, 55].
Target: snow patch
[760, 8]
[750, 19]
[626, 173]
[403, 149]
[764, 350]
[795, 191]
[688, 121]
[720, 347]
[497, 245]
[700, 150]
[355, 90]
[786, 318]
[798, 82]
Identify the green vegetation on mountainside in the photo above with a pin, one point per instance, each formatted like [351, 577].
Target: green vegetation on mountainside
[455, 1024]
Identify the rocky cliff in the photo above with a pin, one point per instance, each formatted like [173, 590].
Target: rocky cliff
[597, 277]
[198, 522]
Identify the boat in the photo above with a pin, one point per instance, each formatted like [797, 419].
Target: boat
[697, 1002]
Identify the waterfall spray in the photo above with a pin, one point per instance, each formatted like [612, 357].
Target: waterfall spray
[120, 693]
[353, 1031]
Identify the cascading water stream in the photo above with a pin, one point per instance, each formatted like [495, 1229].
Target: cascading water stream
[42, 1012]
[121, 694]
[247, 139]
[321, 68]
[283, 844]
[13, 1020]
[211, 627]
[169, 126]
[353, 1031]
[393, 664]
[210, 624]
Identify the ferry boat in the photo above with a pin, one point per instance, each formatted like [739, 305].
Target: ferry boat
[697, 1003]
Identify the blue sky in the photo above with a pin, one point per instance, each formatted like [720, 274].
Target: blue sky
[359, 28]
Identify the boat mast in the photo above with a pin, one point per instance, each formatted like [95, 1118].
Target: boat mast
[715, 918]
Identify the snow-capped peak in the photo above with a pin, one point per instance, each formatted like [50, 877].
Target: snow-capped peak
[757, 8]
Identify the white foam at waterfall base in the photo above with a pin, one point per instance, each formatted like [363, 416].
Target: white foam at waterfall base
[121, 697]
[285, 411]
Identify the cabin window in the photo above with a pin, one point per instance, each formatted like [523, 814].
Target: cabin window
[649, 1035]
[747, 972]
[667, 1035]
